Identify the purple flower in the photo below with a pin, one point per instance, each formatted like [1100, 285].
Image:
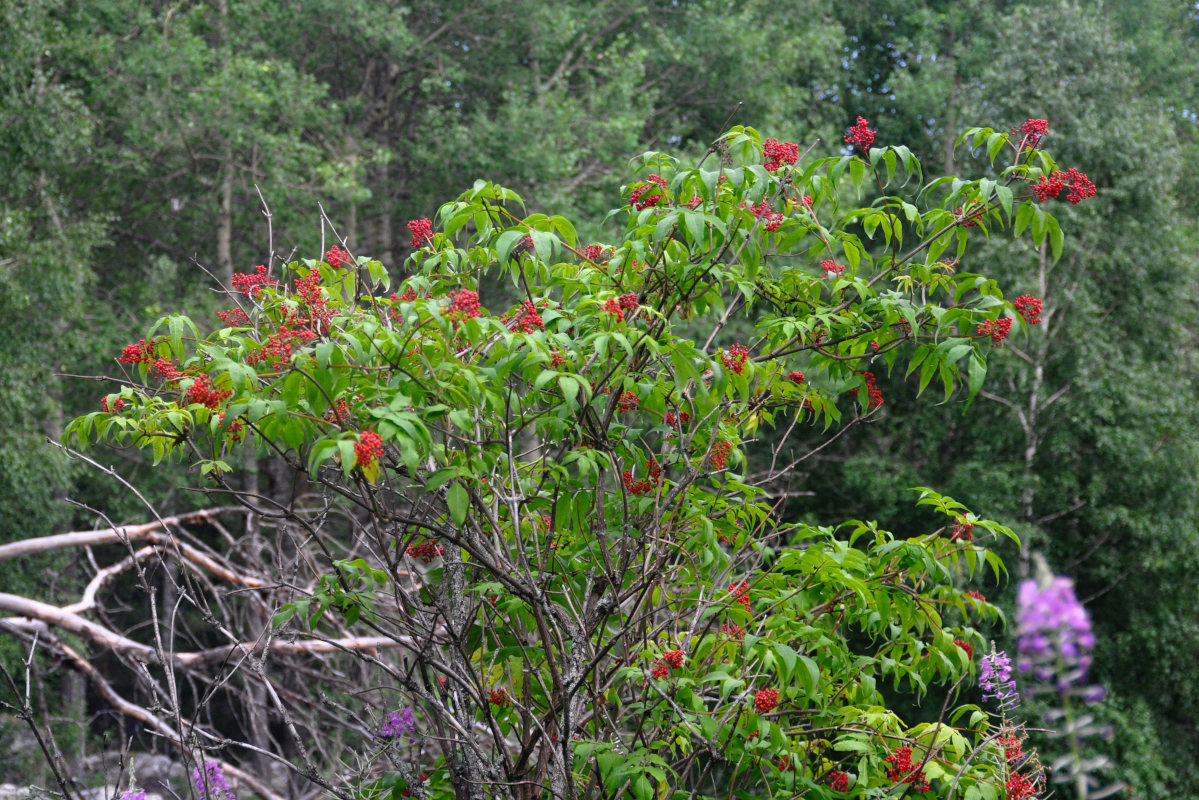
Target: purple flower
[211, 782]
[995, 678]
[1051, 622]
[1055, 637]
[399, 723]
[129, 794]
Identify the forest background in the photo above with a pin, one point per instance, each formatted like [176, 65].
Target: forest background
[135, 139]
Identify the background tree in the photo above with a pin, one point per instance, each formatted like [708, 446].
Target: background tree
[148, 113]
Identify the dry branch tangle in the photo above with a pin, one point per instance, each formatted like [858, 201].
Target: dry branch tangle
[36, 623]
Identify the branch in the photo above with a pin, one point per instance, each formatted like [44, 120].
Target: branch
[134, 711]
[114, 535]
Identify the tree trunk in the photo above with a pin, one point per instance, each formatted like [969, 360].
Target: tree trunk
[224, 231]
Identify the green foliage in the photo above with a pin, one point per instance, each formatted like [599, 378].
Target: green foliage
[577, 465]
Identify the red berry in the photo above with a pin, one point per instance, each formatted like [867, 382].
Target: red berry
[336, 257]
[1028, 307]
[734, 360]
[766, 700]
[997, 329]
[831, 268]
[251, 285]
[369, 448]
[860, 135]
[464, 304]
[1033, 130]
[422, 232]
[778, 153]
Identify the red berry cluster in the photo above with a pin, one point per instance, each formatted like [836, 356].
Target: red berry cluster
[1029, 307]
[422, 232]
[674, 419]
[592, 252]
[1013, 749]
[795, 376]
[251, 285]
[612, 306]
[962, 532]
[875, 393]
[805, 201]
[165, 370]
[1033, 130]
[902, 769]
[969, 648]
[426, 551]
[628, 301]
[117, 405]
[979, 596]
[525, 319]
[627, 401]
[315, 304]
[838, 781]
[732, 630]
[368, 449]
[1020, 787]
[336, 257]
[1080, 186]
[279, 345]
[557, 359]
[407, 296]
[695, 202]
[464, 304]
[233, 317]
[671, 659]
[766, 700]
[734, 359]
[498, 697]
[831, 268]
[970, 216]
[720, 454]
[740, 592]
[997, 329]
[860, 135]
[771, 219]
[203, 392]
[778, 153]
[641, 198]
[339, 413]
[237, 430]
[647, 484]
[140, 353]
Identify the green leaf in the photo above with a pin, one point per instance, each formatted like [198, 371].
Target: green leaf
[506, 243]
[570, 389]
[808, 675]
[440, 478]
[567, 230]
[694, 222]
[1055, 237]
[283, 615]
[544, 244]
[786, 658]
[323, 351]
[978, 373]
[458, 502]
[1004, 193]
